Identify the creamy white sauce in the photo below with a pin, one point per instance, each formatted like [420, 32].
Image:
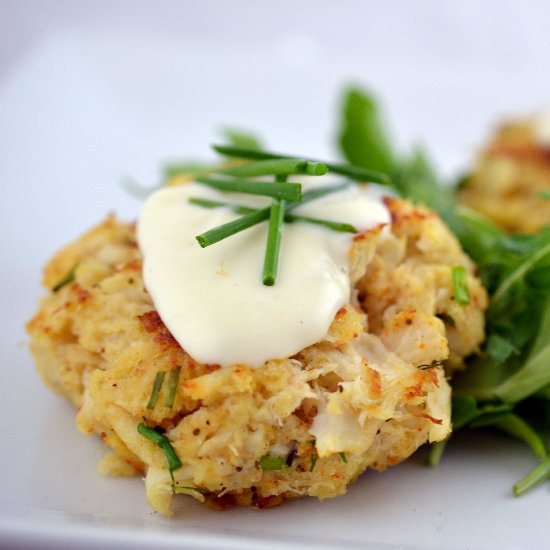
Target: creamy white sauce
[213, 301]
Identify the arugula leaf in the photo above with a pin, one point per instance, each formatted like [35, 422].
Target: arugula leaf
[513, 369]
[499, 348]
[362, 138]
[242, 138]
[534, 373]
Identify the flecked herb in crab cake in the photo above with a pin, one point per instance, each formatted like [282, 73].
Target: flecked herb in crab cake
[511, 180]
[214, 385]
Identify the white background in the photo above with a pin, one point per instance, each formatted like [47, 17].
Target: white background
[92, 92]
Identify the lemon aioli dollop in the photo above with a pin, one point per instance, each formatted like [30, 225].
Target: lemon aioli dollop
[213, 301]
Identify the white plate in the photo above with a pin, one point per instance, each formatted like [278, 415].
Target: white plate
[100, 98]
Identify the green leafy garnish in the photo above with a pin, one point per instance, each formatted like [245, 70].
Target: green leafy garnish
[280, 190]
[242, 138]
[289, 218]
[155, 392]
[505, 385]
[312, 461]
[436, 452]
[363, 137]
[174, 463]
[225, 230]
[354, 172]
[172, 386]
[280, 210]
[344, 457]
[269, 462]
[286, 196]
[460, 284]
[545, 194]
[499, 348]
[276, 167]
[534, 477]
[66, 280]
[189, 490]
[271, 260]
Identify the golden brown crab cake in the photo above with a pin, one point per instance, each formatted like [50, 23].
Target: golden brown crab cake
[510, 183]
[366, 396]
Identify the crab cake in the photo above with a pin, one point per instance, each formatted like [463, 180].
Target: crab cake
[511, 180]
[366, 395]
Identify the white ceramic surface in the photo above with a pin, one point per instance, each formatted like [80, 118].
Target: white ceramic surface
[114, 89]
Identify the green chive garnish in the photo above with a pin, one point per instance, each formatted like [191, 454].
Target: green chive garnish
[271, 260]
[317, 193]
[207, 203]
[227, 229]
[174, 463]
[268, 462]
[353, 172]
[341, 227]
[279, 166]
[344, 457]
[66, 280]
[545, 194]
[436, 452]
[460, 283]
[534, 477]
[182, 489]
[157, 384]
[313, 460]
[172, 386]
[240, 224]
[241, 209]
[281, 190]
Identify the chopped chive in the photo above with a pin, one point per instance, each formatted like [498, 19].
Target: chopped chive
[276, 167]
[241, 209]
[271, 260]
[269, 462]
[174, 463]
[172, 386]
[182, 489]
[315, 168]
[207, 203]
[344, 457]
[436, 452]
[534, 477]
[240, 138]
[359, 174]
[313, 460]
[353, 172]
[280, 190]
[335, 226]
[157, 384]
[227, 229]
[545, 194]
[240, 224]
[66, 280]
[317, 193]
[460, 283]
